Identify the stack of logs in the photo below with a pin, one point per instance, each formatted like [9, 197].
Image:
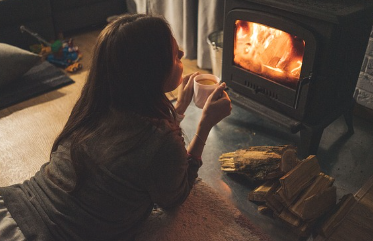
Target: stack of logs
[294, 190]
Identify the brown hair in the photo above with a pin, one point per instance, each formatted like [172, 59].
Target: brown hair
[132, 60]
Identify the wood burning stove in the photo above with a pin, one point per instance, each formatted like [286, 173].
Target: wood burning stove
[296, 62]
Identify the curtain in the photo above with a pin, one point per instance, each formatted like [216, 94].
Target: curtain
[191, 22]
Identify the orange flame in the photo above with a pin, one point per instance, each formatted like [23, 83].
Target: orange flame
[269, 52]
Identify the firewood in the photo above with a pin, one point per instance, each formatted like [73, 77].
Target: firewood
[300, 177]
[280, 196]
[289, 160]
[320, 184]
[258, 163]
[319, 204]
[258, 194]
[275, 205]
[290, 218]
[265, 210]
[306, 228]
[248, 160]
[352, 219]
[271, 201]
[336, 216]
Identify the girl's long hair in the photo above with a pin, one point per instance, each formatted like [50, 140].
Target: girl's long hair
[132, 59]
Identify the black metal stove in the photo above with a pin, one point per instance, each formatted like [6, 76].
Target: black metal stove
[296, 62]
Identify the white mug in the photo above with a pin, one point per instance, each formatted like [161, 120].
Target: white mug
[204, 85]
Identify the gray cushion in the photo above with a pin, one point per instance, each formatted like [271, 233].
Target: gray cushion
[14, 62]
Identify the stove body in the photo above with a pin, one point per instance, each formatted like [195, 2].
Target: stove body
[296, 62]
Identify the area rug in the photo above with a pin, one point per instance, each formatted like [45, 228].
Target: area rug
[40, 79]
[205, 216]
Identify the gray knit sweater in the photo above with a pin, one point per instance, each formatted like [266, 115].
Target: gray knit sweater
[116, 194]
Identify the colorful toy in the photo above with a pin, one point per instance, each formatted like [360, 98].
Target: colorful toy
[60, 53]
[74, 67]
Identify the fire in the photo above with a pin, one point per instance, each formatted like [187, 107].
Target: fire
[269, 52]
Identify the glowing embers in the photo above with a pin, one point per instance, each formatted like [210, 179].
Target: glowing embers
[269, 52]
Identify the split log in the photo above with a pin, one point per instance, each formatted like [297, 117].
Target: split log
[271, 201]
[300, 177]
[290, 218]
[319, 204]
[306, 228]
[265, 210]
[299, 197]
[281, 197]
[337, 215]
[259, 193]
[289, 160]
[319, 185]
[352, 219]
[258, 163]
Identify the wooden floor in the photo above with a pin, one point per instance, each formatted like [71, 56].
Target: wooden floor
[28, 129]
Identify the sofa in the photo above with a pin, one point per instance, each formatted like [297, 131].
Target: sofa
[48, 18]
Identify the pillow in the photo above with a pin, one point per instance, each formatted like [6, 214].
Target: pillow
[14, 62]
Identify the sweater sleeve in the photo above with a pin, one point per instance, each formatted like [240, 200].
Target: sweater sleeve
[172, 173]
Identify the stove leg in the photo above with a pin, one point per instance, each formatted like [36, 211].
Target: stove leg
[348, 115]
[309, 141]
[349, 122]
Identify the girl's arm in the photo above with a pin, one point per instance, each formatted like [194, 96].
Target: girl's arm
[217, 107]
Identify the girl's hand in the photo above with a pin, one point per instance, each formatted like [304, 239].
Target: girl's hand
[217, 107]
[185, 93]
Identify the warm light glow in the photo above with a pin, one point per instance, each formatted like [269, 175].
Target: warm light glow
[269, 52]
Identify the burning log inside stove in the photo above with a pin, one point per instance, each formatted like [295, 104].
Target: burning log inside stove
[269, 52]
[295, 191]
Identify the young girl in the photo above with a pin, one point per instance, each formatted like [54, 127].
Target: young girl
[122, 150]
